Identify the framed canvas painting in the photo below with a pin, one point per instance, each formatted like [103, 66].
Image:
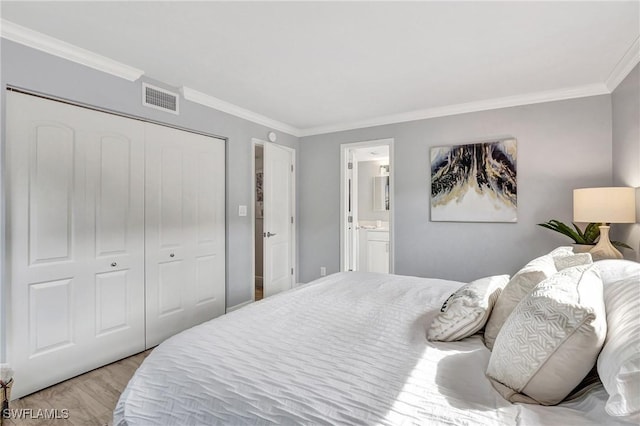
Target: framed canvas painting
[474, 182]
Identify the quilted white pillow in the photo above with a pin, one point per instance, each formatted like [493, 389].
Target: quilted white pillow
[564, 262]
[520, 285]
[619, 361]
[466, 311]
[552, 339]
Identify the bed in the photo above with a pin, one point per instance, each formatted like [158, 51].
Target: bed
[349, 348]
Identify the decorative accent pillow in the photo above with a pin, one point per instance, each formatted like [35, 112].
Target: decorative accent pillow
[466, 311]
[520, 285]
[552, 339]
[564, 262]
[619, 361]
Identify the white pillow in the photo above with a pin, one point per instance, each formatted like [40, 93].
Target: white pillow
[552, 339]
[520, 285]
[466, 311]
[561, 251]
[619, 361]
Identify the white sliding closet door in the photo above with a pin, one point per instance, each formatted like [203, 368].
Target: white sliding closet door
[75, 240]
[185, 230]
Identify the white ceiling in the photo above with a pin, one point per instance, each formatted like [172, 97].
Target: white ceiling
[322, 66]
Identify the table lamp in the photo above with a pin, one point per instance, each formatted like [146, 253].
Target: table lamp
[604, 206]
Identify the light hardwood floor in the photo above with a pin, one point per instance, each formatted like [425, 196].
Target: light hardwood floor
[90, 398]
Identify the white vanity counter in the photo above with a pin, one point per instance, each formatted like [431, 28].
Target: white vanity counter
[374, 248]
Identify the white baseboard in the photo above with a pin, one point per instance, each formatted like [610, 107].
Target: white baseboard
[238, 306]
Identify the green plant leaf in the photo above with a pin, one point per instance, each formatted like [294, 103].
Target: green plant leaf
[566, 230]
[621, 244]
[578, 230]
[589, 236]
[591, 233]
[556, 225]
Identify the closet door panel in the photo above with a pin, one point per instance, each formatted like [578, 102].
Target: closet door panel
[171, 211]
[184, 222]
[51, 191]
[169, 288]
[209, 241]
[111, 302]
[115, 176]
[53, 240]
[207, 269]
[50, 316]
[165, 272]
[115, 213]
[44, 244]
[113, 197]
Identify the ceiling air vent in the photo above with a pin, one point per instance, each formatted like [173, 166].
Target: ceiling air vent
[155, 97]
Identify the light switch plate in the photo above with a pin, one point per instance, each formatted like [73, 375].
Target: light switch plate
[242, 210]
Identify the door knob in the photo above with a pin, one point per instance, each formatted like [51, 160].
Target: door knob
[114, 264]
[172, 255]
[269, 234]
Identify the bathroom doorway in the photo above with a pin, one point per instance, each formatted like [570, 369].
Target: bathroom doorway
[367, 206]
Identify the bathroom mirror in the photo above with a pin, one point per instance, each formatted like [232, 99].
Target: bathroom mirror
[380, 193]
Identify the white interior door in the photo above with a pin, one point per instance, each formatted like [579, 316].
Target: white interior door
[278, 219]
[353, 243]
[349, 246]
[185, 230]
[75, 240]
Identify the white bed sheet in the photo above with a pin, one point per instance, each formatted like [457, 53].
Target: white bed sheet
[346, 349]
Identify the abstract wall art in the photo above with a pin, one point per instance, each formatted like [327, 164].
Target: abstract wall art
[474, 182]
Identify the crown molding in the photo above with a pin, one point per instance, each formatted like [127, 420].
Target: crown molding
[53, 46]
[630, 59]
[485, 105]
[220, 105]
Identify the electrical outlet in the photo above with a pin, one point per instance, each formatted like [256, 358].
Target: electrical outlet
[323, 271]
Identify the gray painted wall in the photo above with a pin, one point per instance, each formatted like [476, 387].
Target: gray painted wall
[38, 71]
[561, 146]
[625, 102]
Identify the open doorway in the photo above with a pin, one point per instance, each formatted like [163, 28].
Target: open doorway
[367, 206]
[259, 221]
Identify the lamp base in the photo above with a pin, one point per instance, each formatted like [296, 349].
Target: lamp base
[604, 249]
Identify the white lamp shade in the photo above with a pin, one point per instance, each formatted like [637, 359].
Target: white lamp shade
[604, 205]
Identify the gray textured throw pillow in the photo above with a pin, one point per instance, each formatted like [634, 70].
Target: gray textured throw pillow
[552, 339]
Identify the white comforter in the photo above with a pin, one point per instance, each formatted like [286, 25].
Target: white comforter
[347, 349]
